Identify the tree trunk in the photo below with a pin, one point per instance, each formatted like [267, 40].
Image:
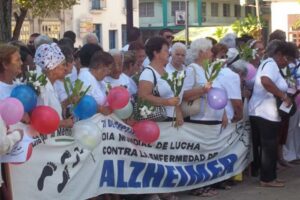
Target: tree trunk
[5, 20]
[19, 22]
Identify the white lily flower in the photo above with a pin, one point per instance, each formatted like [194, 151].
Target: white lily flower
[17, 81]
[254, 53]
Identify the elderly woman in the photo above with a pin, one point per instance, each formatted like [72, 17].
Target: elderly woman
[116, 76]
[10, 68]
[195, 75]
[99, 67]
[157, 50]
[264, 117]
[178, 52]
[52, 63]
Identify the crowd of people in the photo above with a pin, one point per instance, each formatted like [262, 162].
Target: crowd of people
[140, 67]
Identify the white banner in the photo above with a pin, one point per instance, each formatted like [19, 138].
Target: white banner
[182, 159]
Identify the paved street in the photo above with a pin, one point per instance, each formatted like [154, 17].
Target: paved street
[249, 189]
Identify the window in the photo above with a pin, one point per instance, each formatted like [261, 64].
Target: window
[96, 5]
[112, 39]
[226, 10]
[124, 34]
[147, 9]
[177, 5]
[98, 31]
[203, 8]
[248, 10]
[237, 10]
[214, 9]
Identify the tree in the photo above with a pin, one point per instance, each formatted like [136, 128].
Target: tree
[5, 20]
[220, 32]
[40, 8]
[250, 25]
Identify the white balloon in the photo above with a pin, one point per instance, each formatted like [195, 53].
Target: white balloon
[87, 134]
[126, 112]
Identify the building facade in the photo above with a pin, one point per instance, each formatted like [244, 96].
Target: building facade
[157, 14]
[106, 18]
[53, 25]
[286, 16]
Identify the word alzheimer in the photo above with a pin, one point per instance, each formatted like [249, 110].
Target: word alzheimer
[145, 175]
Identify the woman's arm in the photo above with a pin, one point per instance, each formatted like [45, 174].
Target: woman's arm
[272, 88]
[196, 93]
[145, 92]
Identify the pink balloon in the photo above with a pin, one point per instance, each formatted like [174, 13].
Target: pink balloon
[147, 131]
[251, 72]
[118, 97]
[297, 101]
[11, 110]
[217, 98]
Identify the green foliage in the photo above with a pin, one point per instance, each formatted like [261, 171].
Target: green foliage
[44, 7]
[247, 53]
[296, 25]
[212, 69]
[220, 32]
[249, 25]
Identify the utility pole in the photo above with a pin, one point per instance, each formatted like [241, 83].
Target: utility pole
[186, 22]
[129, 16]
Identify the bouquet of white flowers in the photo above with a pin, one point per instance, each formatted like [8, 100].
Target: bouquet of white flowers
[175, 80]
[212, 69]
[35, 81]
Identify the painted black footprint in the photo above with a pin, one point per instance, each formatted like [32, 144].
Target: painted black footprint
[77, 149]
[47, 171]
[65, 156]
[77, 161]
[65, 180]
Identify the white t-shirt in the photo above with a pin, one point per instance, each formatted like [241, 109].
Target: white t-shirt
[49, 97]
[206, 113]
[170, 68]
[5, 90]
[163, 87]
[123, 80]
[73, 75]
[60, 90]
[263, 103]
[230, 81]
[95, 90]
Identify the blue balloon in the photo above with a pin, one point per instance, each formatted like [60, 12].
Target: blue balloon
[86, 108]
[26, 95]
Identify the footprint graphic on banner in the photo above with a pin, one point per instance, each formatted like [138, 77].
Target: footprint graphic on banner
[65, 156]
[77, 156]
[47, 171]
[65, 180]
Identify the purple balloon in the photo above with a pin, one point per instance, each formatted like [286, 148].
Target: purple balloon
[217, 98]
[251, 72]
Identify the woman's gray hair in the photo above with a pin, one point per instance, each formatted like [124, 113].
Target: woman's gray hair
[239, 66]
[42, 39]
[87, 37]
[229, 40]
[198, 46]
[177, 45]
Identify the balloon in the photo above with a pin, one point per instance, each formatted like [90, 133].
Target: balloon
[118, 97]
[11, 110]
[147, 131]
[26, 95]
[86, 108]
[29, 153]
[126, 112]
[251, 72]
[217, 98]
[44, 119]
[87, 134]
[297, 101]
